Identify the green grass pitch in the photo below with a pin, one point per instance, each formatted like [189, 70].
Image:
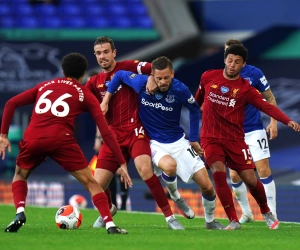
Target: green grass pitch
[146, 231]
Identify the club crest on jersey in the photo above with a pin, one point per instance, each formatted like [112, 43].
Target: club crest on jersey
[132, 76]
[214, 86]
[170, 99]
[158, 96]
[224, 89]
[234, 92]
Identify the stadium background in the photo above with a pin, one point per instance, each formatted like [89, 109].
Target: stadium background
[34, 37]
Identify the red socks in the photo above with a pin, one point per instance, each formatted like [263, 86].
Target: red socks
[259, 195]
[108, 195]
[159, 195]
[100, 202]
[225, 195]
[19, 190]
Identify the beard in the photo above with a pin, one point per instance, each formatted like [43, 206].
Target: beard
[233, 75]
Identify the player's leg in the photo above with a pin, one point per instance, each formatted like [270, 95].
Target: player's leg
[203, 181]
[99, 198]
[259, 147]
[257, 190]
[26, 163]
[19, 190]
[215, 159]
[266, 178]
[240, 192]
[141, 154]
[166, 166]
[103, 176]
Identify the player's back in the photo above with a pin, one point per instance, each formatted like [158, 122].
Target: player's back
[57, 104]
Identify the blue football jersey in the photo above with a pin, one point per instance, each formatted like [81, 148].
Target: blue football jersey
[257, 80]
[160, 113]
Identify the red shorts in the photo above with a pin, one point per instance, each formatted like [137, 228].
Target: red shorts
[133, 142]
[65, 151]
[234, 154]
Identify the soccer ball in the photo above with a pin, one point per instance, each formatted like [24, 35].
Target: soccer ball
[78, 201]
[68, 217]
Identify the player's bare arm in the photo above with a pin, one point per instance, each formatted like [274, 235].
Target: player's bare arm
[294, 125]
[196, 146]
[4, 144]
[271, 129]
[151, 86]
[105, 101]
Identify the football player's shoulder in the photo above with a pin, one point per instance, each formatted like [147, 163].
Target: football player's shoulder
[209, 75]
[212, 72]
[177, 84]
[93, 78]
[250, 70]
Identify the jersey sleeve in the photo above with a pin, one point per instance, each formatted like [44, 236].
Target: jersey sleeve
[257, 100]
[261, 82]
[189, 102]
[92, 106]
[138, 66]
[131, 79]
[25, 98]
[199, 96]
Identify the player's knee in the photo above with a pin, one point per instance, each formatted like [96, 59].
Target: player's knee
[145, 172]
[235, 178]
[208, 190]
[168, 165]
[264, 172]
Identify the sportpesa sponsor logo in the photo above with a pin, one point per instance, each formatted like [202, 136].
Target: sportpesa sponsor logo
[156, 105]
[226, 101]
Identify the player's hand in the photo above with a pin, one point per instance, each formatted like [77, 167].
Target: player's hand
[294, 125]
[4, 144]
[104, 107]
[151, 86]
[272, 129]
[196, 146]
[125, 176]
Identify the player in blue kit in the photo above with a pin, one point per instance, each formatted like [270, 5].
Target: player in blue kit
[160, 114]
[257, 141]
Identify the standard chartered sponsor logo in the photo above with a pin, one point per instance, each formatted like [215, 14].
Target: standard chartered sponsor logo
[156, 105]
[223, 100]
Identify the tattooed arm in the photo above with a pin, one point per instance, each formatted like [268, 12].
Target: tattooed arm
[272, 127]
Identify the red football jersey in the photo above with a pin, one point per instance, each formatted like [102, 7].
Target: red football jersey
[224, 103]
[56, 105]
[125, 102]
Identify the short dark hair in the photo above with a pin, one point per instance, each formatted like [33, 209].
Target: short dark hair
[74, 65]
[105, 39]
[232, 42]
[161, 63]
[238, 50]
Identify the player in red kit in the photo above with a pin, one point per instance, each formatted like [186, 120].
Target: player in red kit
[224, 95]
[50, 134]
[123, 119]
